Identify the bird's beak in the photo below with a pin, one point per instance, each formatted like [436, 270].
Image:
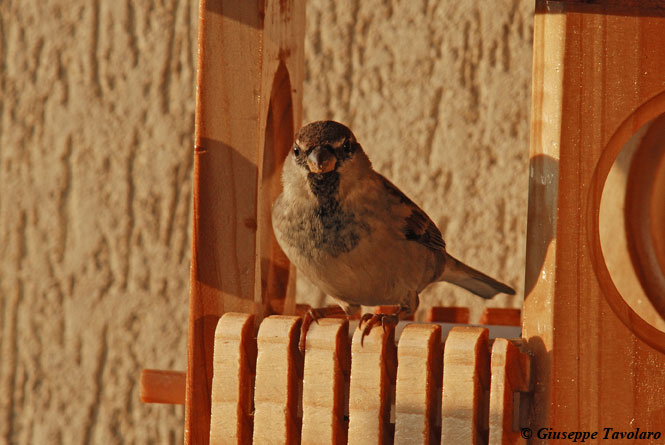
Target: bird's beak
[321, 160]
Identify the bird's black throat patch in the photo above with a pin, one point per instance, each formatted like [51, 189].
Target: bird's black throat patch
[324, 186]
[332, 229]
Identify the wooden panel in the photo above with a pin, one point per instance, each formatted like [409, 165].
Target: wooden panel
[233, 380]
[279, 368]
[159, 386]
[249, 101]
[466, 382]
[372, 387]
[418, 389]
[598, 76]
[511, 374]
[326, 382]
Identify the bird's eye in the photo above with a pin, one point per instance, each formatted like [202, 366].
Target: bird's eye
[346, 145]
[296, 150]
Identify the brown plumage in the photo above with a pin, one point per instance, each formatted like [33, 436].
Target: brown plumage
[356, 235]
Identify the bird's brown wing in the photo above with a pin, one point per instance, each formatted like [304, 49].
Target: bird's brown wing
[417, 226]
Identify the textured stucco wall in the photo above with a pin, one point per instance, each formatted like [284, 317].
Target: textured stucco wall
[96, 125]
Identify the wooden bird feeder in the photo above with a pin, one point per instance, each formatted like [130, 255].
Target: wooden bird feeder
[586, 359]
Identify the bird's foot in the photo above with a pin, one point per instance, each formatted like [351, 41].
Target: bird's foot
[313, 315]
[368, 321]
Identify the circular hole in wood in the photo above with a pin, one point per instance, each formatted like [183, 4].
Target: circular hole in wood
[644, 213]
[279, 133]
[627, 221]
[625, 235]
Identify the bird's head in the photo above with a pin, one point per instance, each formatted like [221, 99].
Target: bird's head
[324, 146]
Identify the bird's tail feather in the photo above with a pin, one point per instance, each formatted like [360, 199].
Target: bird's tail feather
[458, 273]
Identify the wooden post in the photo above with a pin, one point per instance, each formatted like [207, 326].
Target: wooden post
[249, 103]
[598, 76]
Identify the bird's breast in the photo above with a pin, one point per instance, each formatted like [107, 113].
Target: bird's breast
[321, 229]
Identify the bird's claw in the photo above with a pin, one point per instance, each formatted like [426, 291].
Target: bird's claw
[371, 320]
[314, 315]
[307, 320]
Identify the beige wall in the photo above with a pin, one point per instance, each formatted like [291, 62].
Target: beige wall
[96, 123]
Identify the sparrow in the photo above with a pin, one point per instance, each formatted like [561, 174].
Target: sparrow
[356, 236]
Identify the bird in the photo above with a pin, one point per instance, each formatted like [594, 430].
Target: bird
[357, 236]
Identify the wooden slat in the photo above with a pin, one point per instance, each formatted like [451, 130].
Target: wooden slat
[466, 381]
[279, 370]
[451, 314]
[233, 380]
[372, 387]
[418, 389]
[325, 384]
[511, 375]
[158, 386]
[501, 316]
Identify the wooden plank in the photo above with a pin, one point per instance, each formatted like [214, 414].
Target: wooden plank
[451, 314]
[598, 76]
[511, 375]
[248, 105]
[372, 387]
[326, 382]
[233, 380]
[418, 389]
[466, 383]
[159, 386]
[501, 316]
[279, 372]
